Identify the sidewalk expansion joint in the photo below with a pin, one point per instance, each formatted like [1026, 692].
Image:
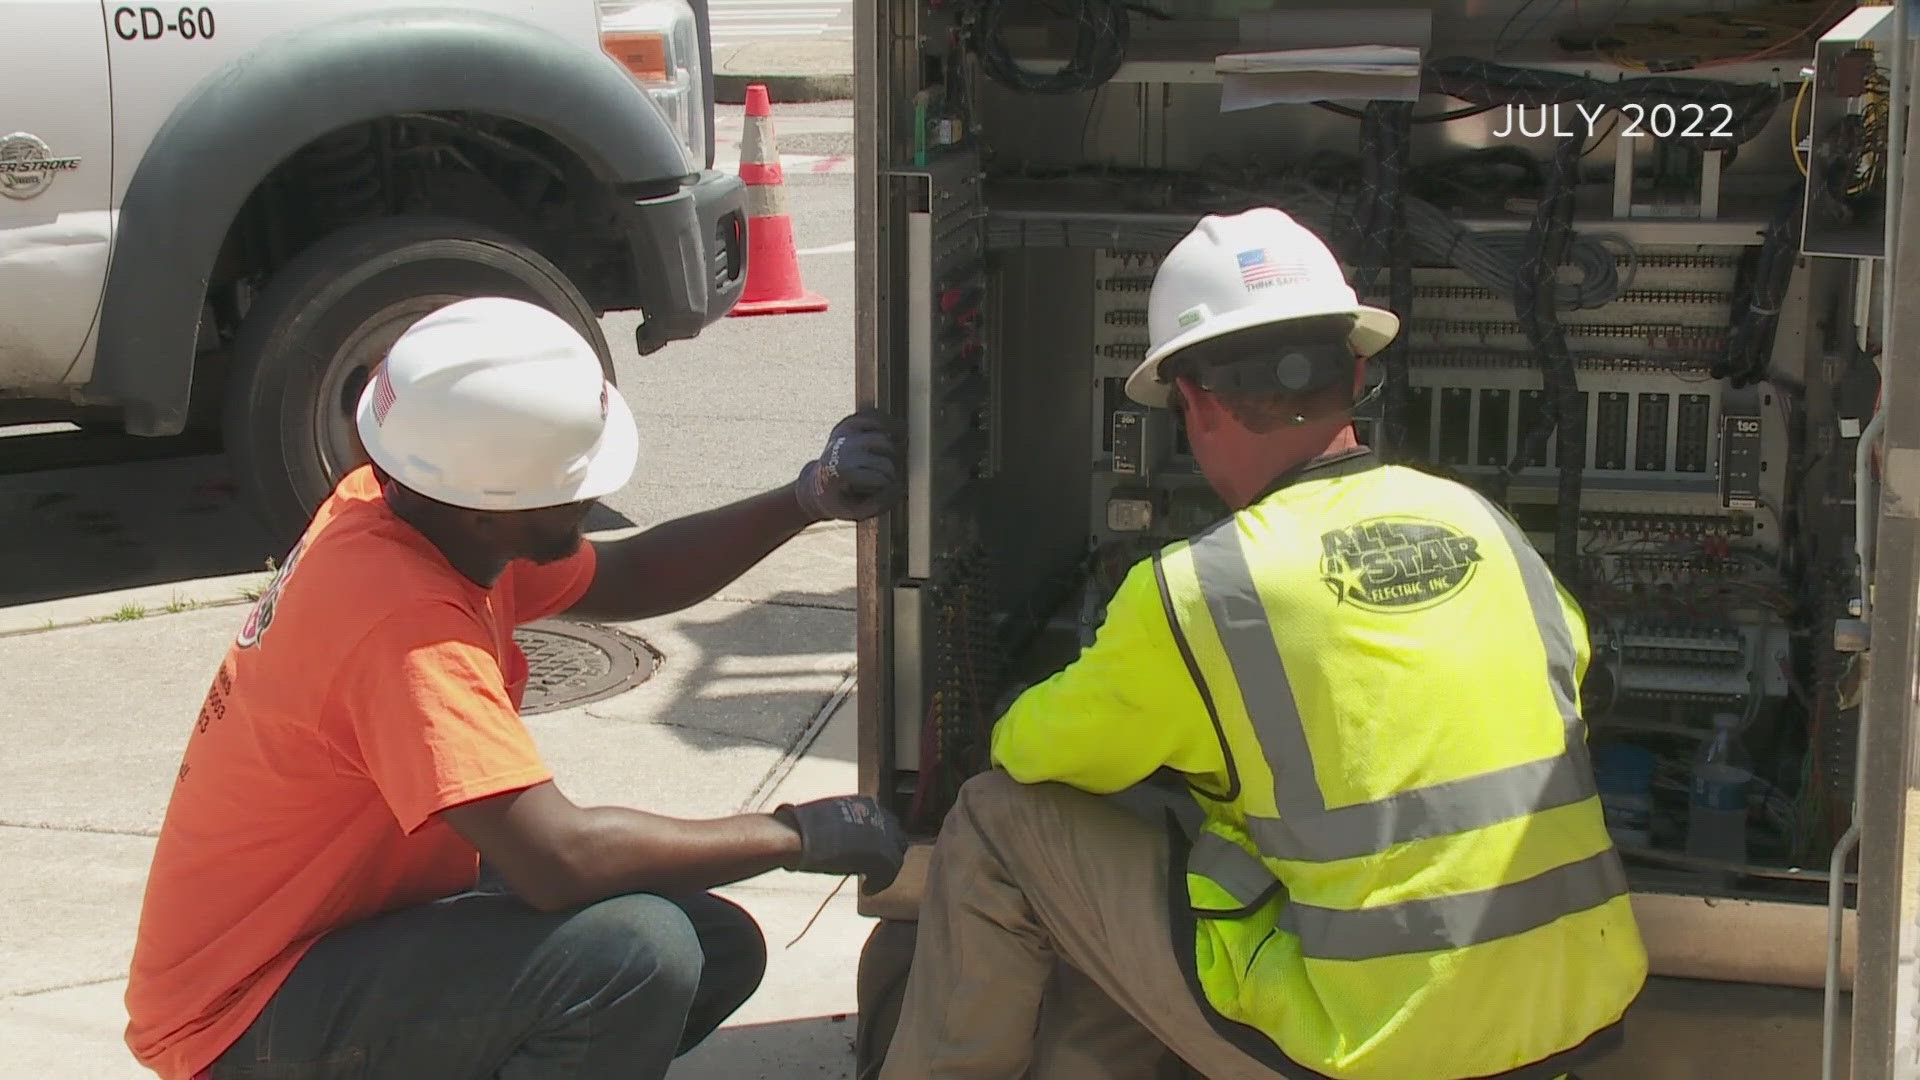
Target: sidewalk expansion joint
[781, 769]
[807, 605]
[41, 826]
[38, 990]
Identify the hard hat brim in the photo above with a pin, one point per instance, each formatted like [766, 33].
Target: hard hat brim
[1373, 329]
[610, 464]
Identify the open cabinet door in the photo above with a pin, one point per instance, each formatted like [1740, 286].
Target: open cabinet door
[1886, 1004]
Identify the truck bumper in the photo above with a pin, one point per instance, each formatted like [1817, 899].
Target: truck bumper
[690, 257]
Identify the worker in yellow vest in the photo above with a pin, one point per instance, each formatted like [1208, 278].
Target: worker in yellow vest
[1367, 682]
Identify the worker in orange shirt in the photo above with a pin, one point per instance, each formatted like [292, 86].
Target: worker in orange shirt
[311, 911]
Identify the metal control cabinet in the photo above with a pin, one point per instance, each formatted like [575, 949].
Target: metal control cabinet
[1720, 370]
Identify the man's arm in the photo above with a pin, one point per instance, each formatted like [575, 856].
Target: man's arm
[1124, 709]
[678, 564]
[682, 562]
[422, 712]
[558, 856]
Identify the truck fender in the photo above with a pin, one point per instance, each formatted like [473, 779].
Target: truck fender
[246, 118]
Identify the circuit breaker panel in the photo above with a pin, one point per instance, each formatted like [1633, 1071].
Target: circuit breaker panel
[942, 613]
[1676, 511]
[1150, 489]
[1664, 437]
[949, 373]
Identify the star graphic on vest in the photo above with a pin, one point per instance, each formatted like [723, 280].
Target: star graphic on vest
[1342, 578]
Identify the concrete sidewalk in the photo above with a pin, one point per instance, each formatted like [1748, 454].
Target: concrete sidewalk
[751, 706]
[793, 71]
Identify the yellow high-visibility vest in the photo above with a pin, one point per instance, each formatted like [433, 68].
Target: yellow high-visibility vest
[1406, 873]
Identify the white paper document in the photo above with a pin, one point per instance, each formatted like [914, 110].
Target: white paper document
[1356, 73]
[1325, 55]
[1349, 60]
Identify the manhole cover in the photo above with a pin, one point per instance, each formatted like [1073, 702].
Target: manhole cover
[572, 663]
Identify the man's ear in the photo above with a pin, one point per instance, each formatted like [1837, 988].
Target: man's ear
[1203, 411]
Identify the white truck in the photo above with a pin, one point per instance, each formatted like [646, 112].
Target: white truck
[214, 217]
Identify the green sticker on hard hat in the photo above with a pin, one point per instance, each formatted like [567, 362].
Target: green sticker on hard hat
[1193, 316]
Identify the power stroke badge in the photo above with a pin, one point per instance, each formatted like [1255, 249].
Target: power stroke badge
[1397, 564]
[27, 165]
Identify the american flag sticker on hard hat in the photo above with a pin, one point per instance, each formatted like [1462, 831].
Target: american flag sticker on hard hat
[1258, 270]
[382, 396]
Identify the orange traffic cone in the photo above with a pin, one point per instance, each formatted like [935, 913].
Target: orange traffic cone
[773, 265]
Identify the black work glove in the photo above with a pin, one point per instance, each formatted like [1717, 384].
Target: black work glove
[847, 834]
[858, 475]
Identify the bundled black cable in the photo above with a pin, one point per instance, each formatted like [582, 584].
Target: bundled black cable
[1386, 152]
[1756, 305]
[1494, 258]
[1496, 84]
[1400, 294]
[1482, 179]
[1099, 47]
[1535, 307]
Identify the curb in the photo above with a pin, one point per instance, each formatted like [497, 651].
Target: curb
[731, 89]
[139, 602]
[196, 594]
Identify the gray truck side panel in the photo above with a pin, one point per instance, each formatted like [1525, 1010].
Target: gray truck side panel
[249, 116]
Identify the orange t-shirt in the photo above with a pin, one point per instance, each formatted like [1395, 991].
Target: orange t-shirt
[371, 687]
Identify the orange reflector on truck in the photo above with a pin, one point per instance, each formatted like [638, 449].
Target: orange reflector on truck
[642, 52]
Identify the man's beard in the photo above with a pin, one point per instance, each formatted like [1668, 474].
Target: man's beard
[548, 550]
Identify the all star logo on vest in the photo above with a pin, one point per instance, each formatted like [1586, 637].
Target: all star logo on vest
[1397, 564]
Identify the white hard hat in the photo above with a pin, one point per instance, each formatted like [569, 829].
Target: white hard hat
[1237, 271]
[497, 404]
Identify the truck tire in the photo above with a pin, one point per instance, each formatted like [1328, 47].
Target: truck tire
[879, 987]
[319, 330]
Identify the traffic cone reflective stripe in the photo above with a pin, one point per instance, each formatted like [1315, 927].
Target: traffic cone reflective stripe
[765, 198]
[759, 152]
[773, 284]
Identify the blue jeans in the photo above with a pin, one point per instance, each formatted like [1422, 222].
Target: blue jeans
[483, 987]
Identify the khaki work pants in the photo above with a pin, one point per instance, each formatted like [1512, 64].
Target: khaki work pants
[1044, 949]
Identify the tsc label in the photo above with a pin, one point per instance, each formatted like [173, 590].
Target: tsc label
[1740, 464]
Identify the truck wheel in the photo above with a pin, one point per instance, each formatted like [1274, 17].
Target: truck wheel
[879, 988]
[323, 326]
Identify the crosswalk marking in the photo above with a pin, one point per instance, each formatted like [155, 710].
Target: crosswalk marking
[751, 12]
[737, 22]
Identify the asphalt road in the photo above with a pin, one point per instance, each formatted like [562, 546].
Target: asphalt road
[736, 411]
[741, 408]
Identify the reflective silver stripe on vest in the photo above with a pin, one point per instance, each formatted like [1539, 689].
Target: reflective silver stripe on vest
[1440, 810]
[1307, 830]
[1453, 922]
[1231, 867]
